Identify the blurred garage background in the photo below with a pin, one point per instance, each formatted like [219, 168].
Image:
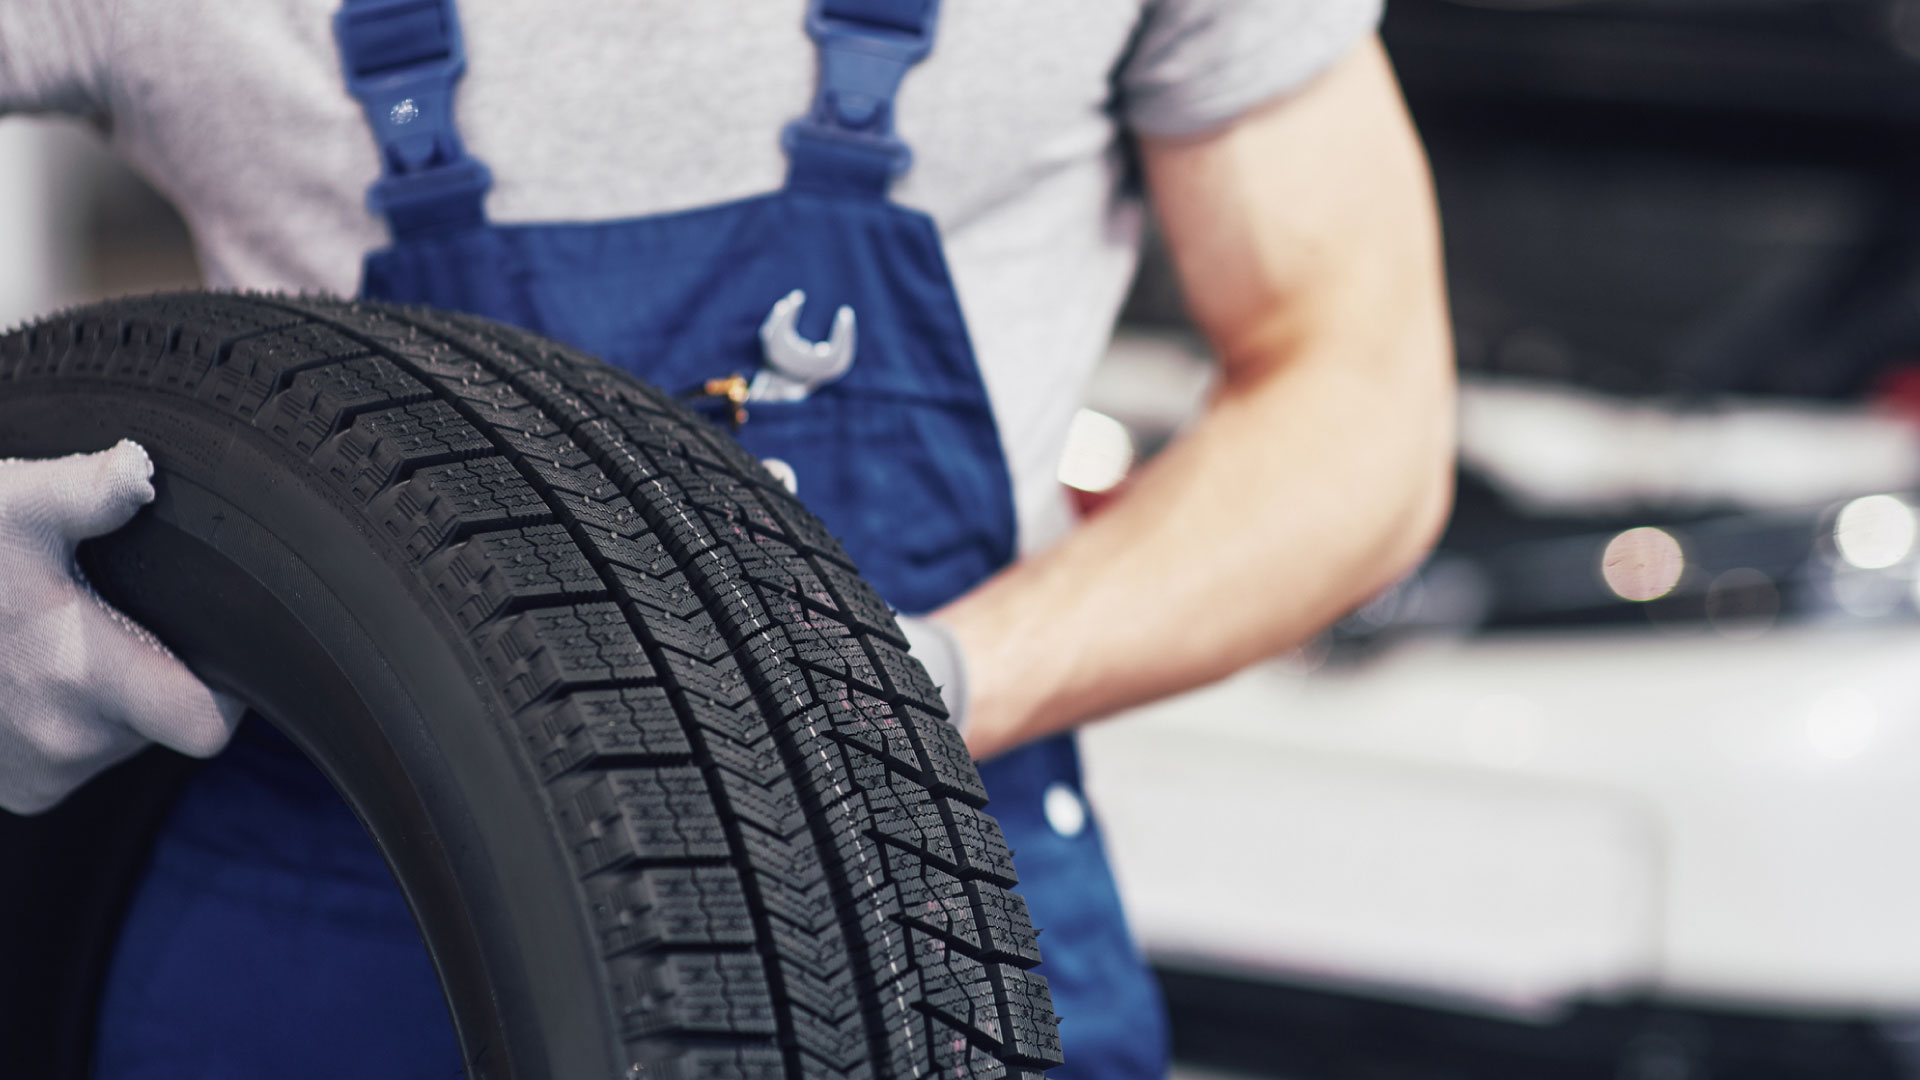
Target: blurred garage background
[1624, 783]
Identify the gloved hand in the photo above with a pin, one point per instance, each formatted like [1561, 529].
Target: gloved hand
[82, 687]
[938, 651]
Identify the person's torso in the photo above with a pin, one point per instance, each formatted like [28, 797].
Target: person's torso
[590, 112]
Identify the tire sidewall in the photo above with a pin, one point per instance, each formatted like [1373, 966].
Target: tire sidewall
[423, 753]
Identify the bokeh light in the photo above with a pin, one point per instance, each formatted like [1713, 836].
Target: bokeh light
[1874, 532]
[1099, 452]
[1642, 564]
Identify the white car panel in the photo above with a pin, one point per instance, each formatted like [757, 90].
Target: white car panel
[1515, 821]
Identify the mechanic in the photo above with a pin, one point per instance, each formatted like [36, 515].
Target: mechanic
[1292, 193]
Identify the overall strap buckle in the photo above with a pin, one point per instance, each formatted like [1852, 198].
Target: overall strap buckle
[866, 48]
[402, 59]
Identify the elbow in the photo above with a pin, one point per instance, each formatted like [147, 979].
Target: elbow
[1408, 533]
[1429, 505]
[1427, 473]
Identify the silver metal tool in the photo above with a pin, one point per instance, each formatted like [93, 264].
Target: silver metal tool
[795, 367]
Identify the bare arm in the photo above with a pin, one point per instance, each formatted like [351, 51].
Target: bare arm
[1307, 243]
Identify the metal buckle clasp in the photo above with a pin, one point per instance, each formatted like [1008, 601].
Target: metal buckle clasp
[402, 59]
[861, 66]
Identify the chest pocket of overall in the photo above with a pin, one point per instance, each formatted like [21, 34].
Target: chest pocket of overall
[899, 456]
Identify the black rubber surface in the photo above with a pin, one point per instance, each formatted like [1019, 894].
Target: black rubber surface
[650, 761]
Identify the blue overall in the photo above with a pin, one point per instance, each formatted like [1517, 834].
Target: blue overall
[268, 911]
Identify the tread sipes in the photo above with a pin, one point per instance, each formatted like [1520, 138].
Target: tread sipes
[779, 842]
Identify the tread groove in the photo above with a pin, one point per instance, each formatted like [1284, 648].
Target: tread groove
[639, 626]
[738, 757]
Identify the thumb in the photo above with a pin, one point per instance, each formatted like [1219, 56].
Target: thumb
[83, 495]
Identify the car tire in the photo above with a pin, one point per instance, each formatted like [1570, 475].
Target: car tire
[650, 762]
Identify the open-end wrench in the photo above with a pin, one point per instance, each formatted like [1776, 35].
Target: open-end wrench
[795, 367]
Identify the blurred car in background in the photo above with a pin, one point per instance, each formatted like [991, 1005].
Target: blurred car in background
[1622, 782]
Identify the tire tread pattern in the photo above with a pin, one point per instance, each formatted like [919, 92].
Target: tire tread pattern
[779, 840]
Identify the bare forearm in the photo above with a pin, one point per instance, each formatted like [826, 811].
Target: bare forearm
[1308, 243]
[1290, 502]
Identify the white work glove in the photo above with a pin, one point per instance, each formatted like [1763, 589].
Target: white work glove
[82, 687]
[938, 651]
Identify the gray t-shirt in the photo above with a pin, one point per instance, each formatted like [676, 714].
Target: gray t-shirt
[588, 110]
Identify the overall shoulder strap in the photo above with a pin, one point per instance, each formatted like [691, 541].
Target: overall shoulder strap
[846, 142]
[402, 59]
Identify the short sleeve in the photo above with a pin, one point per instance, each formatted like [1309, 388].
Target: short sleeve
[1197, 64]
[50, 56]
